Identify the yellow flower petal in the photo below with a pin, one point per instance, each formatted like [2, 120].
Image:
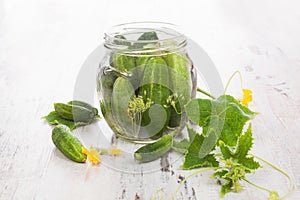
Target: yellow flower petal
[115, 151]
[92, 155]
[247, 97]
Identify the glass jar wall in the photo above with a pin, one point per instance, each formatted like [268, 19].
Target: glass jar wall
[144, 81]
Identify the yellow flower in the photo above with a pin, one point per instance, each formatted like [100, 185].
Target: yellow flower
[247, 97]
[92, 155]
[115, 151]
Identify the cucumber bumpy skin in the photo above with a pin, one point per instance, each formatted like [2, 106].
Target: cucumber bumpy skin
[155, 150]
[68, 144]
[155, 86]
[73, 112]
[123, 62]
[180, 83]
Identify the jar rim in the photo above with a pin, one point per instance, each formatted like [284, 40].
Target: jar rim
[171, 33]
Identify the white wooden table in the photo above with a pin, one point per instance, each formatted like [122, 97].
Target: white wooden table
[43, 45]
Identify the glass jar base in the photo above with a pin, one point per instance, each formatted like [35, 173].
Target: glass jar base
[175, 131]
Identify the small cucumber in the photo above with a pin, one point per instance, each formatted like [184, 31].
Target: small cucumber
[126, 63]
[73, 112]
[85, 105]
[141, 62]
[180, 82]
[155, 86]
[155, 150]
[105, 84]
[123, 62]
[67, 143]
[122, 93]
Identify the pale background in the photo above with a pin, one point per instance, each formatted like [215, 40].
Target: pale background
[43, 44]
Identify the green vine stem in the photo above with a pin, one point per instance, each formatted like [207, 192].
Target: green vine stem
[227, 84]
[206, 93]
[292, 184]
[231, 77]
[257, 186]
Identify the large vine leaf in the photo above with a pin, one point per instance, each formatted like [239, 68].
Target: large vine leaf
[240, 152]
[238, 162]
[193, 158]
[222, 118]
[226, 152]
[183, 145]
[245, 143]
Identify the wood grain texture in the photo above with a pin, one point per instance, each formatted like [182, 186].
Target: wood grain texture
[43, 45]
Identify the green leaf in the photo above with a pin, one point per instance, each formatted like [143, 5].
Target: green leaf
[226, 187]
[227, 154]
[191, 132]
[222, 118]
[148, 36]
[219, 174]
[193, 158]
[54, 119]
[245, 143]
[237, 164]
[192, 161]
[249, 163]
[181, 146]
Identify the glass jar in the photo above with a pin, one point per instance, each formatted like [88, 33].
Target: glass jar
[144, 80]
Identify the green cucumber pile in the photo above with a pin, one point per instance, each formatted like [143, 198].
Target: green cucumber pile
[67, 117]
[161, 79]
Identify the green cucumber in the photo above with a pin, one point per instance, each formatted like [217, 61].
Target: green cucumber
[85, 105]
[180, 83]
[106, 81]
[67, 143]
[141, 62]
[123, 62]
[155, 86]
[73, 112]
[155, 150]
[122, 93]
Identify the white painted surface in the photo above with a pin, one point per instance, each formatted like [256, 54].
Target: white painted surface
[44, 43]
